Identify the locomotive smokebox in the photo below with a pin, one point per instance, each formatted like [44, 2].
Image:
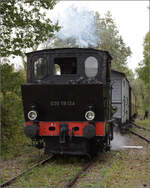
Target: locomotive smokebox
[31, 131]
[89, 131]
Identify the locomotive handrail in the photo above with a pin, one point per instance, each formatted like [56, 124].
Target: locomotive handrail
[110, 121]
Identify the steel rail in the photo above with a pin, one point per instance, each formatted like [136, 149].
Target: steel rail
[27, 170]
[139, 126]
[74, 179]
[139, 136]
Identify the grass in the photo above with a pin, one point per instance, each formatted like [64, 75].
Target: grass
[53, 174]
[145, 123]
[113, 169]
[16, 150]
[112, 173]
[117, 169]
[94, 176]
[122, 174]
[14, 166]
[128, 169]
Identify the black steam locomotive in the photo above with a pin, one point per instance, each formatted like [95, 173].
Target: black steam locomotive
[67, 100]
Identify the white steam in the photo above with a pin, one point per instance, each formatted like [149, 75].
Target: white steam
[119, 141]
[79, 25]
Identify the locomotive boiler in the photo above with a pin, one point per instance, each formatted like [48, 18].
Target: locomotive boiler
[67, 100]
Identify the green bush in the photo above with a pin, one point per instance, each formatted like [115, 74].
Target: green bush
[12, 119]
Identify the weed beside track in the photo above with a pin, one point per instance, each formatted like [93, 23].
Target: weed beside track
[118, 168]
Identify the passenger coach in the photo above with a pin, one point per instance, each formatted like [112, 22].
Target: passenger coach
[122, 98]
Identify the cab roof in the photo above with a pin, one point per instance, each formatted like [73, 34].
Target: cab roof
[70, 50]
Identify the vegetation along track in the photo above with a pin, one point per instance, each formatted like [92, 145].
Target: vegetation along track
[84, 168]
[27, 170]
[139, 126]
[142, 137]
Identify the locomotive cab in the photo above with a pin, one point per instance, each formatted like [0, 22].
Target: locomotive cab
[67, 100]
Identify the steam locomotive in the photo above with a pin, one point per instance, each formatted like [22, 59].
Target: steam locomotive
[67, 100]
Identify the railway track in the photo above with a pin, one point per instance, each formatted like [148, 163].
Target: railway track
[75, 178]
[138, 126]
[10, 181]
[140, 136]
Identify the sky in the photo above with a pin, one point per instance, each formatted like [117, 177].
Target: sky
[130, 17]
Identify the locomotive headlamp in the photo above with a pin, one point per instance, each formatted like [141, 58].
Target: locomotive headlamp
[32, 115]
[89, 115]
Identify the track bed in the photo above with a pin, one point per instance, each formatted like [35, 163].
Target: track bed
[117, 168]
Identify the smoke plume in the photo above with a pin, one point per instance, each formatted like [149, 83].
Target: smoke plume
[119, 141]
[79, 25]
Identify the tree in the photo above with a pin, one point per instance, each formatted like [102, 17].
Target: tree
[24, 25]
[144, 66]
[56, 42]
[144, 71]
[110, 40]
[12, 118]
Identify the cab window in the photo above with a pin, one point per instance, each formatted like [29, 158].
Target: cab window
[65, 66]
[40, 68]
[91, 67]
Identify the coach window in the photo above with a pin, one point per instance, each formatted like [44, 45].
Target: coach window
[65, 66]
[91, 67]
[40, 68]
[124, 83]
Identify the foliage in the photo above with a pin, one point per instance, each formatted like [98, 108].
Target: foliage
[56, 42]
[144, 72]
[24, 25]
[111, 41]
[141, 96]
[11, 108]
[144, 69]
[144, 123]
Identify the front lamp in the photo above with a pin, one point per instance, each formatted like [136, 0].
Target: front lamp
[89, 115]
[32, 115]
